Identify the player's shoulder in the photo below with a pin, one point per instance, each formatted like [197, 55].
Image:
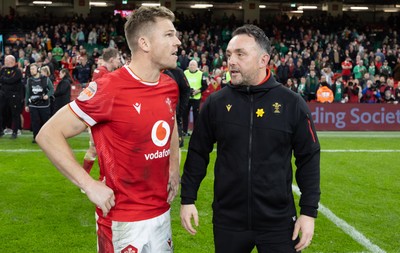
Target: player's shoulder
[114, 76]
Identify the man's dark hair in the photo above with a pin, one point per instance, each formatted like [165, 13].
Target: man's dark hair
[258, 35]
[109, 53]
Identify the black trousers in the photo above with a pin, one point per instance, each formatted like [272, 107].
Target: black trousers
[11, 101]
[39, 116]
[245, 241]
[195, 105]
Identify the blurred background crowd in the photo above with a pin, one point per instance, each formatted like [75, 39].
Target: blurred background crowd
[325, 59]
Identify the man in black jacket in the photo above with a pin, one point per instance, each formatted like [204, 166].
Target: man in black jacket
[184, 93]
[11, 93]
[257, 124]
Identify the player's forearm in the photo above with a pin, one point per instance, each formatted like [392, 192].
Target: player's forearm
[60, 154]
[174, 148]
[52, 139]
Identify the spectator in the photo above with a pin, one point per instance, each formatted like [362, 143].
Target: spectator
[301, 88]
[92, 38]
[371, 94]
[338, 90]
[389, 98]
[45, 71]
[312, 85]
[324, 93]
[385, 70]
[57, 54]
[52, 64]
[217, 61]
[80, 36]
[83, 71]
[214, 85]
[396, 71]
[62, 93]
[11, 89]
[328, 74]
[300, 70]
[39, 89]
[372, 68]
[290, 85]
[359, 70]
[352, 92]
[397, 94]
[282, 72]
[198, 84]
[183, 60]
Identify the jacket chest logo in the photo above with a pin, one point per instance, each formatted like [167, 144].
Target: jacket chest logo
[228, 107]
[260, 112]
[277, 107]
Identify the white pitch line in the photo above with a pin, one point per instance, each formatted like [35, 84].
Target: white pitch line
[361, 150]
[347, 228]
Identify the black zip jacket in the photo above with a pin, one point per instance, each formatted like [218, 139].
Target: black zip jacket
[11, 80]
[257, 129]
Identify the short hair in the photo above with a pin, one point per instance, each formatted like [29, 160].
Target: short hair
[109, 53]
[34, 65]
[258, 35]
[141, 20]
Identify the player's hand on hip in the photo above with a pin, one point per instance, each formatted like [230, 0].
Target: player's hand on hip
[187, 213]
[101, 195]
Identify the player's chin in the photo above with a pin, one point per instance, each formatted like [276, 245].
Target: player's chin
[236, 81]
[171, 65]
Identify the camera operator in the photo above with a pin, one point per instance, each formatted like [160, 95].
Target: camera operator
[352, 92]
[11, 94]
[38, 91]
[371, 93]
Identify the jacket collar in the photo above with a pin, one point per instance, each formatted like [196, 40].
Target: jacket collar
[268, 83]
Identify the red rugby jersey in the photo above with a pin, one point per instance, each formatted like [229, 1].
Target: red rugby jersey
[99, 72]
[131, 122]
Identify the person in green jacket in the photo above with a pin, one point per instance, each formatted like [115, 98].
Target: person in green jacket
[58, 53]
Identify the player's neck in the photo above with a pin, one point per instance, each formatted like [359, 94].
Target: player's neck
[146, 72]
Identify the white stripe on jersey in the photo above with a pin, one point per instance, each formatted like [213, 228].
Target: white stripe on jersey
[89, 120]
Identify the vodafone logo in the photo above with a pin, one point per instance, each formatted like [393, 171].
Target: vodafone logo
[160, 133]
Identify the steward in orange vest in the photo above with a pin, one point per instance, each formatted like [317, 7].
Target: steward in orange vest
[324, 94]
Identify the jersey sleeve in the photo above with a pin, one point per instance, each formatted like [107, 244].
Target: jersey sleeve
[94, 104]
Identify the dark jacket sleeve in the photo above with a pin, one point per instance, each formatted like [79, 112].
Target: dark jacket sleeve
[307, 153]
[204, 84]
[184, 89]
[200, 146]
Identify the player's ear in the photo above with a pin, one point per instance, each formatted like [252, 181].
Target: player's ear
[264, 60]
[144, 43]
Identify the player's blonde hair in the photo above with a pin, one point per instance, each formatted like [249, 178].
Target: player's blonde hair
[140, 22]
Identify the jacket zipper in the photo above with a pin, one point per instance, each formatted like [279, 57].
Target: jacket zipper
[249, 191]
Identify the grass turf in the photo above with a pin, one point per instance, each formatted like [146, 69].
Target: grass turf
[41, 211]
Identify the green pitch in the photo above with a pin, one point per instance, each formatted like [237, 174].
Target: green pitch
[41, 211]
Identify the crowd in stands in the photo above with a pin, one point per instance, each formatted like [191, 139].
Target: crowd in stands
[351, 60]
